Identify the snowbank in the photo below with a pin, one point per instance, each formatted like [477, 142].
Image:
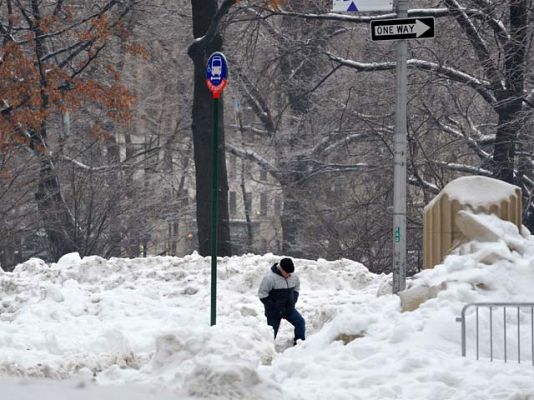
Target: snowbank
[104, 325]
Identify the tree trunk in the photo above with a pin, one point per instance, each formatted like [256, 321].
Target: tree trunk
[292, 225]
[202, 128]
[55, 217]
[113, 248]
[298, 69]
[59, 226]
[505, 141]
[510, 101]
[294, 215]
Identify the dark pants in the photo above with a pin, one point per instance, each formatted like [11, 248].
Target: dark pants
[295, 319]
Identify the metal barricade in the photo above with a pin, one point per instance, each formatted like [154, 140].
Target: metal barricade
[505, 306]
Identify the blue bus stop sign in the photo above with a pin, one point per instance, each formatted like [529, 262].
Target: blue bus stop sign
[216, 73]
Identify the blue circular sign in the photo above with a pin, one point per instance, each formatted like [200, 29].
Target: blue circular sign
[216, 73]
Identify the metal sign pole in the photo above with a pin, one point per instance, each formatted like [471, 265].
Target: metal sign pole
[214, 207]
[399, 173]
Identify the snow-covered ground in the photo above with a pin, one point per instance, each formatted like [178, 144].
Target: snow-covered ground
[139, 329]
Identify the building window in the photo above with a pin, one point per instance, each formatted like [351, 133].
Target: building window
[263, 174]
[233, 203]
[277, 206]
[233, 166]
[263, 204]
[248, 202]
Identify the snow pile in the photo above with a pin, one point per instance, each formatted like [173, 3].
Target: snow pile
[145, 322]
[477, 191]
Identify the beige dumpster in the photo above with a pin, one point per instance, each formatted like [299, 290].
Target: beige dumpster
[476, 193]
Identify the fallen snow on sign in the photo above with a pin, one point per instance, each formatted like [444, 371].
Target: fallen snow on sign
[139, 329]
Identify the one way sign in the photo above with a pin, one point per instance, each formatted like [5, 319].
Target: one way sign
[402, 28]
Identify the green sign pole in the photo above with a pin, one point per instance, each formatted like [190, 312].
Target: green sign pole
[216, 79]
[214, 193]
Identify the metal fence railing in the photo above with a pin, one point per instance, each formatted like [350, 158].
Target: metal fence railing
[515, 316]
